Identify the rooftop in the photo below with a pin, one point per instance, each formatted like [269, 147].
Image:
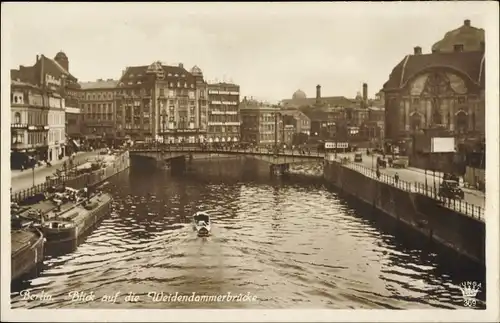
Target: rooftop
[99, 84]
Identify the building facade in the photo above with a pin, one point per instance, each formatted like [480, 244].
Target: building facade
[74, 129]
[443, 90]
[45, 86]
[223, 112]
[57, 129]
[163, 103]
[295, 117]
[262, 124]
[29, 124]
[97, 104]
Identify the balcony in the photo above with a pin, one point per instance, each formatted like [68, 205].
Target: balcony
[19, 126]
[38, 127]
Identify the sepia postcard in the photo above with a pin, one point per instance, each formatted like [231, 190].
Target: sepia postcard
[230, 162]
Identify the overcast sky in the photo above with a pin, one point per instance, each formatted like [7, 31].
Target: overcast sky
[269, 49]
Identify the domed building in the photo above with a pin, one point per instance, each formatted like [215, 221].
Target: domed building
[62, 60]
[299, 95]
[464, 38]
[441, 93]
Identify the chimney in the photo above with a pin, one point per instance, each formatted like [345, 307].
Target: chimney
[318, 93]
[467, 22]
[417, 50]
[365, 93]
[181, 65]
[37, 57]
[123, 72]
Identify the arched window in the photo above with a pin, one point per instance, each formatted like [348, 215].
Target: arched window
[17, 117]
[461, 121]
[415, 121]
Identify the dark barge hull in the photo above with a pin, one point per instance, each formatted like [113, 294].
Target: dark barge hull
[27, 251]
[81, 225]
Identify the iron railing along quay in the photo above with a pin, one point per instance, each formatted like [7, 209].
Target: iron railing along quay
[461, 206]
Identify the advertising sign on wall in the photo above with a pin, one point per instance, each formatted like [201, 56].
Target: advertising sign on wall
[333, 145]
[442, 144]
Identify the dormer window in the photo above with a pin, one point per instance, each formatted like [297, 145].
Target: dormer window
[169, 74]
[139, 82]
[183, 75]
[130, 83]
[121, 84]
[458, 47]
[192, 86]
[131, 75]
[176, 75]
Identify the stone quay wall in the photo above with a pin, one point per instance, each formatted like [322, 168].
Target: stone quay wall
[459, 232]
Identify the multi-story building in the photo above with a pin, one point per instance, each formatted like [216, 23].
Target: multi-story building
[223, 112]
[161, 102]
[288, 134]
[441, 90]
[97, 103]
[50, 79]
[29, 124]
[262, 123]
[300, 121]
[74, 128]
[71, 92]
[57, 128]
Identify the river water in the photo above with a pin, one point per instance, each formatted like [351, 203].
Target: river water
[281, 243]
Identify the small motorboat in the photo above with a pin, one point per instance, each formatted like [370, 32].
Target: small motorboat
[202, 223]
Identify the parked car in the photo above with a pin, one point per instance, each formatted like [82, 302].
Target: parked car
[450, 189]
[400, 163]
[358, 157]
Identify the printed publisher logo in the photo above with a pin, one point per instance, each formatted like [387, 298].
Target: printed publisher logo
[469, 291]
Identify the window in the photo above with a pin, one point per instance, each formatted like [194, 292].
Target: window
[17, 117]
[415, 100]
[461, 121]
[461, 100]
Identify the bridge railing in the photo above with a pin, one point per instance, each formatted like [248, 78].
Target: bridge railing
[461, 206]
[222, 150]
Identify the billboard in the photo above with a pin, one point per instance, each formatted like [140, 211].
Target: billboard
[442, 144]
[333, 145]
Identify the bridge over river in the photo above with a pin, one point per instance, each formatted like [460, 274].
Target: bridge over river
[410, 179]
[282, 157]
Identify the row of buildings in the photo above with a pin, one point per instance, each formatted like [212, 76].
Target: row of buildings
[53, 113]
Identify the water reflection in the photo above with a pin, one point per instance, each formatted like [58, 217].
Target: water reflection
[290, 241]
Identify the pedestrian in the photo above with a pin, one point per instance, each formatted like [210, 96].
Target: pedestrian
[378, 173]
[396, 178]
